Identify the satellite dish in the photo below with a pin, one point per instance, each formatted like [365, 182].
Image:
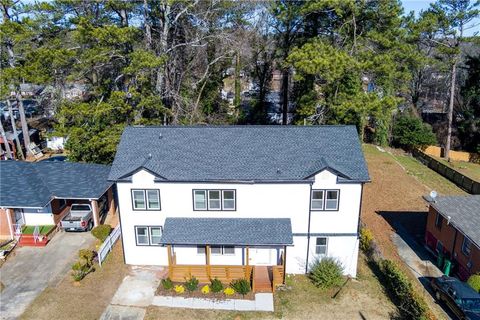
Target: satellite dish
[433, 195]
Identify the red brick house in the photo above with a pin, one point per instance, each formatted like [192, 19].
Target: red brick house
[453, 229]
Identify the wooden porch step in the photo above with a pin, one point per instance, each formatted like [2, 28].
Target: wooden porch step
[263, 283]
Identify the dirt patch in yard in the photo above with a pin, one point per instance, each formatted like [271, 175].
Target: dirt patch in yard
[88, 300]
[363, 298]
[395, 196]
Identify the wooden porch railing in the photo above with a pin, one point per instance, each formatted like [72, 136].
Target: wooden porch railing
[204, 273]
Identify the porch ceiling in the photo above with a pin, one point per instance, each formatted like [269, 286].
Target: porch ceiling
[227, 231]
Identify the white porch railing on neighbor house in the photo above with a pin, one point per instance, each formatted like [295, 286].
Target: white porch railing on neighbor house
[107, 246]
[36, 233]
[17, 231]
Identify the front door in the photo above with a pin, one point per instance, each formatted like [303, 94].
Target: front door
[261, 256]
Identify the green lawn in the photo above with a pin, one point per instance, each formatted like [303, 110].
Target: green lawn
[43, 229]
[424, 174]
[471, 170]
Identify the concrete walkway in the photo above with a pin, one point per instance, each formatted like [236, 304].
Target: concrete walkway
[32, 269]
[134, 294]
[137, 292]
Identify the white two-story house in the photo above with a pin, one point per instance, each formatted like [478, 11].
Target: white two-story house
[240, 195]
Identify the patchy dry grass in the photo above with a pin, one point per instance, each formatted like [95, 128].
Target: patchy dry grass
[86, 301]
[362, 297]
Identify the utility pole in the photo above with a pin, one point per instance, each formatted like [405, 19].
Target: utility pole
[14, 130]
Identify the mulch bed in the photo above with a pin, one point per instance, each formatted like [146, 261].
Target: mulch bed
[198, 293]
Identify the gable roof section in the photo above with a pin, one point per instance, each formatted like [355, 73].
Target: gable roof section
[464, 213]
[240, 153]
[227, 231]
[35, 184]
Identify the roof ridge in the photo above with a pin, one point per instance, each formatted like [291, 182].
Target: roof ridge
[241, 126]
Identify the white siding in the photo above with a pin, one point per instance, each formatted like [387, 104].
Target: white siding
[35, 217]
[262, 200]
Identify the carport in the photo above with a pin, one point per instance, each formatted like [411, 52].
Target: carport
[41, 193]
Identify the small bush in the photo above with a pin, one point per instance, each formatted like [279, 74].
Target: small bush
[84, 265]
[229, 291]
[474, 282]
[205, 289]
[410, 133]
[241, 286]
[179, 289]
[191, 284]
[102, 231]
[326, 273]
[366, 240]
[216, 285]
[167, 284]
[410, 304]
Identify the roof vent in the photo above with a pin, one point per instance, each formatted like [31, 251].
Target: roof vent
[433, 195]
[278, 171]
[149, 156]
[160, 136]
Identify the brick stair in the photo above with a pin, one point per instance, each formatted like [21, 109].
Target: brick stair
[27, 240]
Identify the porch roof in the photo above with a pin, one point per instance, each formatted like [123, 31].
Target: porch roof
[227, 231]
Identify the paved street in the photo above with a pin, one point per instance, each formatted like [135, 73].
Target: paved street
[32, 269]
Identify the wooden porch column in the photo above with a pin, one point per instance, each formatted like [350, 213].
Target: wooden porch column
[207, 258]
[247, 255]
[284, 262]
[169, 249]
[8, 212]
[96, 218]
[111, 201]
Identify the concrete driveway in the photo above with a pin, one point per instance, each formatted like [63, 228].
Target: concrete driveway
[32, 269]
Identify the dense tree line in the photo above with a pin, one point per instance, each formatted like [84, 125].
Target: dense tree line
[165, 62]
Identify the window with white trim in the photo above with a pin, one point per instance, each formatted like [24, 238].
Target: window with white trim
[214, 200]
[466, 246]
[200, 200]
[148, 235]
[200, 249]
[331, 201]
[325, 200]
[317, 199]
[222, 250]
[146, 199]
[321, 246]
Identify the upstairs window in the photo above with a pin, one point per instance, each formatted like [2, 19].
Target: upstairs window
[325, 200]
[146, 199]
[317, 199]
[214, 200]
[331, 202]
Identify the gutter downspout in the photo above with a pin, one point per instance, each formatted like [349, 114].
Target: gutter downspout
[454, 244]
[360, 210]
[308, 231]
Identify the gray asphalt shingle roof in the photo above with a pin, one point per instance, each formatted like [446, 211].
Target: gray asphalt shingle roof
[227, 231]
[240, 153]
[34, 184]
[464, 212]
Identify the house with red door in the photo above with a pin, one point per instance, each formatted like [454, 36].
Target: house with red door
[453, 230]
[39, 194]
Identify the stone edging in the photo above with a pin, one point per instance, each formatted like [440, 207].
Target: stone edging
[262, 302]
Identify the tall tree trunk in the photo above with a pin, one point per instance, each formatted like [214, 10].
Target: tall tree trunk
[148, 28]
[14, 130]
[450, 109]
[23, 120]
[9, 153]
[285, 82]
[237, 82]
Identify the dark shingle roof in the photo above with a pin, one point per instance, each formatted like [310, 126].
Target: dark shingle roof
[34, 184]
[227, 231]
[240, 153]
[464, 212]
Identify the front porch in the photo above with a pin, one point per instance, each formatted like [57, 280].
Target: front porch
[251, 249]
